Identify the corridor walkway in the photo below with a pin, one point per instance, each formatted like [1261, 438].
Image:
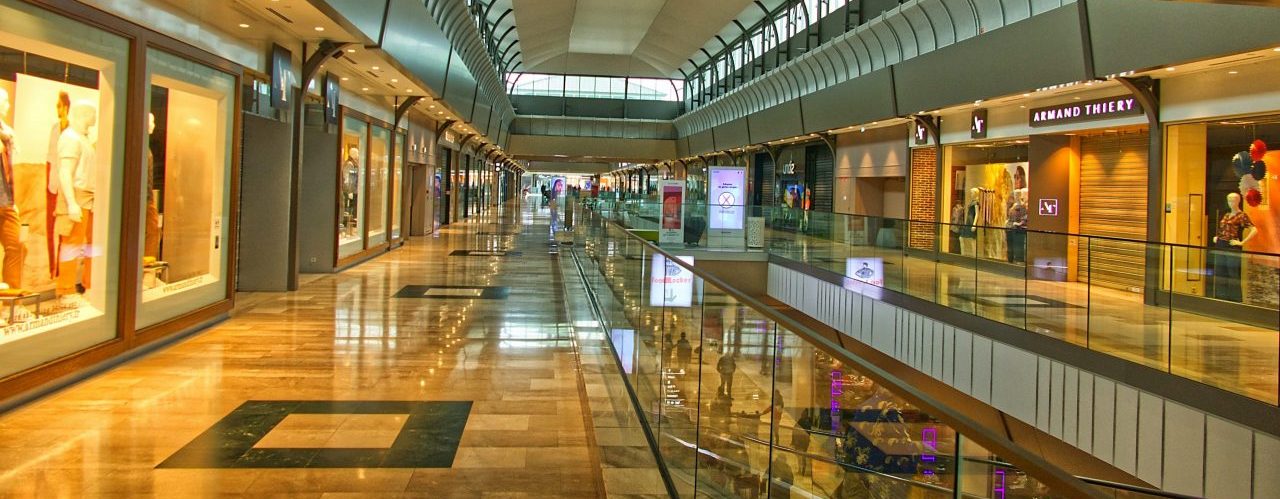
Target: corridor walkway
[426, 372]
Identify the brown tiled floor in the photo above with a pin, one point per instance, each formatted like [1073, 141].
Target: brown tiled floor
[343, 337]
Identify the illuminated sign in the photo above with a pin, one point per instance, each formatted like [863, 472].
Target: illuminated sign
[868, 270]
[922, 134]
[671, 225]
[1097, 109]
[670, 285]
[1048, 207]
[978, 124]
[727, 195]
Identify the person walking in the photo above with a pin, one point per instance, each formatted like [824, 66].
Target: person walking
[727, 364]
[684, 352]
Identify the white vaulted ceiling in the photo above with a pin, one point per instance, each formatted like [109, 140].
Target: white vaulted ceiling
[649, 38]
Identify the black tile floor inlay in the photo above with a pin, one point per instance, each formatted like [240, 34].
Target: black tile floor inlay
[429, 438]
[454, 292]
[484, 253]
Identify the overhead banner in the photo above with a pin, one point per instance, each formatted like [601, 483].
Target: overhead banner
[671, 226]
[670, 285]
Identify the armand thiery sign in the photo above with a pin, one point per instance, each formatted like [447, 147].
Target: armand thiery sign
[1090, 110]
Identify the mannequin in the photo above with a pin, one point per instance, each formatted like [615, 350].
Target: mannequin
[74, 224]
[969, 227]
[63, 108]
[10, 223]
[1234, 230]
[350, 185]
[1016, 228]
[151, 246]
[957, 217]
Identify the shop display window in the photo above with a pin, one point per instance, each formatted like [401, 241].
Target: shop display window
[397, 183]
[187, 191]
[351, 209]
[986, 194]
[62, 114]
[1222, 179]
[379, 181]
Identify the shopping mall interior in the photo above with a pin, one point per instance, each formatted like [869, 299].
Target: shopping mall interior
[923, 249]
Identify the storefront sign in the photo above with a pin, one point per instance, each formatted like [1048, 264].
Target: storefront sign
[331, 92]
[1048, 207]
[978, 124]
[727, 194]
[1097, 109]
[281, 76]
[670, 285]
[922, 135]
[671, 228]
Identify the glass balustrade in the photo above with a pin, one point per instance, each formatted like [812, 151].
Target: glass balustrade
[1107, 295]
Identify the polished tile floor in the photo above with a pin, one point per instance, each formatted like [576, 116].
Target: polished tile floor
[420, 373]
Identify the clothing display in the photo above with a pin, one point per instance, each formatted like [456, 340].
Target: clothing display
[10, 225]
[1226, 257]
[76, 162]
[1016, 233]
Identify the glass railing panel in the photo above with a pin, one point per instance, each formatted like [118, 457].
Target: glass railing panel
[984, 475]
[682, 332]
[737, 369]
[1229, 340]
[1057, 295]
[1123, 322]
[1000, 292]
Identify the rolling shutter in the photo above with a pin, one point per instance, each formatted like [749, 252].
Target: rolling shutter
[1113, 203]
[818, 160]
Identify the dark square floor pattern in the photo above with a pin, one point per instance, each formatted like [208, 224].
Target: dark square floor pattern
[429, 438]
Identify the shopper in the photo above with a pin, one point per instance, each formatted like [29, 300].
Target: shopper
[727, 364]
[684, 352]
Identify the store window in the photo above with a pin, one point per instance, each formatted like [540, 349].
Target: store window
[379, 181]
[351, 222]
[187, 192]
[397, 183]
[985, 189]
[1221, 185]
[62, 114]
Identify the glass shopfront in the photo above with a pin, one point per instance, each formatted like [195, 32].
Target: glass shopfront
[379, 182]
[188, 188]
[1221, 185]
[985, 191]
[62, 102]
[351, 173]
[397, 184]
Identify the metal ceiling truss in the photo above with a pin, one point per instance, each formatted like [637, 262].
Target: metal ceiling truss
[913, 28]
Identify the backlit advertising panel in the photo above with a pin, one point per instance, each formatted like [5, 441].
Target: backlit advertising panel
[670, 285]
[726, 198]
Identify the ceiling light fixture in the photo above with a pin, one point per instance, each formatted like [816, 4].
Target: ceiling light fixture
[319, 28]
[393, 80]
[243, 25]
[345, 78]
[1170, 68]
[366, 89]
[375, 68]
[1232, 72]
[351, 51]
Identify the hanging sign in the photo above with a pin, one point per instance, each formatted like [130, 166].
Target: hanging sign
[671, 226]
[978, 124]
[281, 76]
[921, 134]
[331, 92]
[1090, 110]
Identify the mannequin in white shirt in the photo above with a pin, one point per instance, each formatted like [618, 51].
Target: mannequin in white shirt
[74, 225]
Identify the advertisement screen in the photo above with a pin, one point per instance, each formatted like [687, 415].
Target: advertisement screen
[727, 198]
[868, 270]
[670, 285]
[281, 76]
[672, 199]
[331, 93]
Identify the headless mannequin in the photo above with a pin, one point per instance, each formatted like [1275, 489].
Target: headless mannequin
[151, 245]
[969, 227]
[1234, 230]
[76, 159]
[10, 223]
[350, 184]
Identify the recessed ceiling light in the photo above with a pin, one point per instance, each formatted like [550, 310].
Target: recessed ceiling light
[319, 28]
[1277, 49]
[243, 25]
[1170, 68]
[433, 106]
[393, 80]
[375, 68]
[366, 89]
[1232, 72]
[351, 51]
[345, 78]
[1026, 95]
[410, 90]
[1076, 98]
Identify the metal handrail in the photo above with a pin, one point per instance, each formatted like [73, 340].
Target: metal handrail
[988, 227]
